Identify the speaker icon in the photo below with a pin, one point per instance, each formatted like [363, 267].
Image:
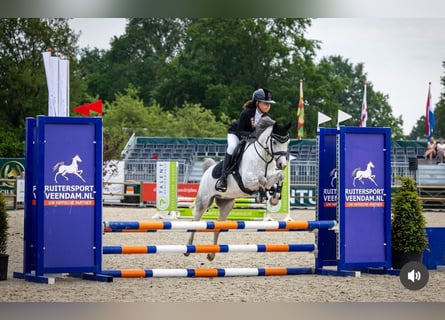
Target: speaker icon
[414, 275]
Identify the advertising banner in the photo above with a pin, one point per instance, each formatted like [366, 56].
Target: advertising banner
[364, 196]
[10, 169]
[63, 195]
[327, 195]
[283, 205]
[166, 190]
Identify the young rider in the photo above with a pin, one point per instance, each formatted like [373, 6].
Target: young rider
[254, 109]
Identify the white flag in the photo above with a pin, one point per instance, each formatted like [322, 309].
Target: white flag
[322, 118]
[63, 109]
[50, 82]
[53, 87]
[57, 79]
[364, 113]
[342, 116]
[46, 56]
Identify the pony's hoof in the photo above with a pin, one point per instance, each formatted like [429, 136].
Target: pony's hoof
[274, 201]
[186, 254]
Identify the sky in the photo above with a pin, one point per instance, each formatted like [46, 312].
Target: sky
[400, 55]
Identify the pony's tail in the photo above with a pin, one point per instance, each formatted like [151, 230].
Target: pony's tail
[208, 162]
[58, 164]
[355, 171]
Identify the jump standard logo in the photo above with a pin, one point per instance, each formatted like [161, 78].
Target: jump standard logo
[365, 197]
[69, 195]
[73, 194]
[329, 197]
[330, 194]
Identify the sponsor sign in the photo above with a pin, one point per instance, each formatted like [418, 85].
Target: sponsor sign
[166, 191]
[10, 169]
[326, 208]
[69, 167]
[364, 196]
[328, 173]
[302, 196]
[283, 204]
[64, 186]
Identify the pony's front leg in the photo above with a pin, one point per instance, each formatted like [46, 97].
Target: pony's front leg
[254, 182]
[278, 180]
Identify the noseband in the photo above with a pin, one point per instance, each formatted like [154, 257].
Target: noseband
[280, 139]
[268, 147]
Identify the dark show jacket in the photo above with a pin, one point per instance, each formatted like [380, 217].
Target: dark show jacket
[244, 125]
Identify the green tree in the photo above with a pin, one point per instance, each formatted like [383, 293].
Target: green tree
[135, 58]
[23, 90]
[217, 63]
[418, 131]
[335, 83]
[224, 60]
[123, 117]
[190, 122]
[127, 115]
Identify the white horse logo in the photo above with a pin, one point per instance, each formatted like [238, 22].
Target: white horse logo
[360, 174]
[333, 176]
[73, 168]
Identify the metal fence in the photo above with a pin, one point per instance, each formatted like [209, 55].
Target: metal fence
[306, 172]
[301, 172]
[145, 170]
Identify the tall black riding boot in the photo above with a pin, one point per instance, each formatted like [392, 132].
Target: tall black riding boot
[221, 183]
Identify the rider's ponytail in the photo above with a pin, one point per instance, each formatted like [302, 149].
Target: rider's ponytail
[249, 104]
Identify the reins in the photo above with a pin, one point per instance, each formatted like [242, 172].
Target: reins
[269, 151]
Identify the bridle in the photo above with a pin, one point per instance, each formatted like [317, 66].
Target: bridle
[270, 155]
[268, 148]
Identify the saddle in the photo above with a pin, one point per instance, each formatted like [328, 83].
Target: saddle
[233, 167]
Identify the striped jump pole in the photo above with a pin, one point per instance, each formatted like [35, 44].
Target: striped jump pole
[116, 226]
[222, 248]
[207, 272]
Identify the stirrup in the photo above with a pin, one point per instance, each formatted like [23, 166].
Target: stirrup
[220, 185]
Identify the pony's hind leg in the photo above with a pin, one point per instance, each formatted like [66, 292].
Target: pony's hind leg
[200, 207]
[225, 206]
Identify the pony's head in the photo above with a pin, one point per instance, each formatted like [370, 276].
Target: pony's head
[275, 138]
[279, 144]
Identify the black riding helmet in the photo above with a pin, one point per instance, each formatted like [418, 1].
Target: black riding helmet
[262, 94]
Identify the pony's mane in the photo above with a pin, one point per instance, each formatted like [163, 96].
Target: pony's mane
[264, 123]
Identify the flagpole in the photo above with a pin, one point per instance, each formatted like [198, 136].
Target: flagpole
[429, 115]
[364, 112]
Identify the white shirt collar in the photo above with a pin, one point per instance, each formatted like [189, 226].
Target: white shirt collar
[258, 115]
